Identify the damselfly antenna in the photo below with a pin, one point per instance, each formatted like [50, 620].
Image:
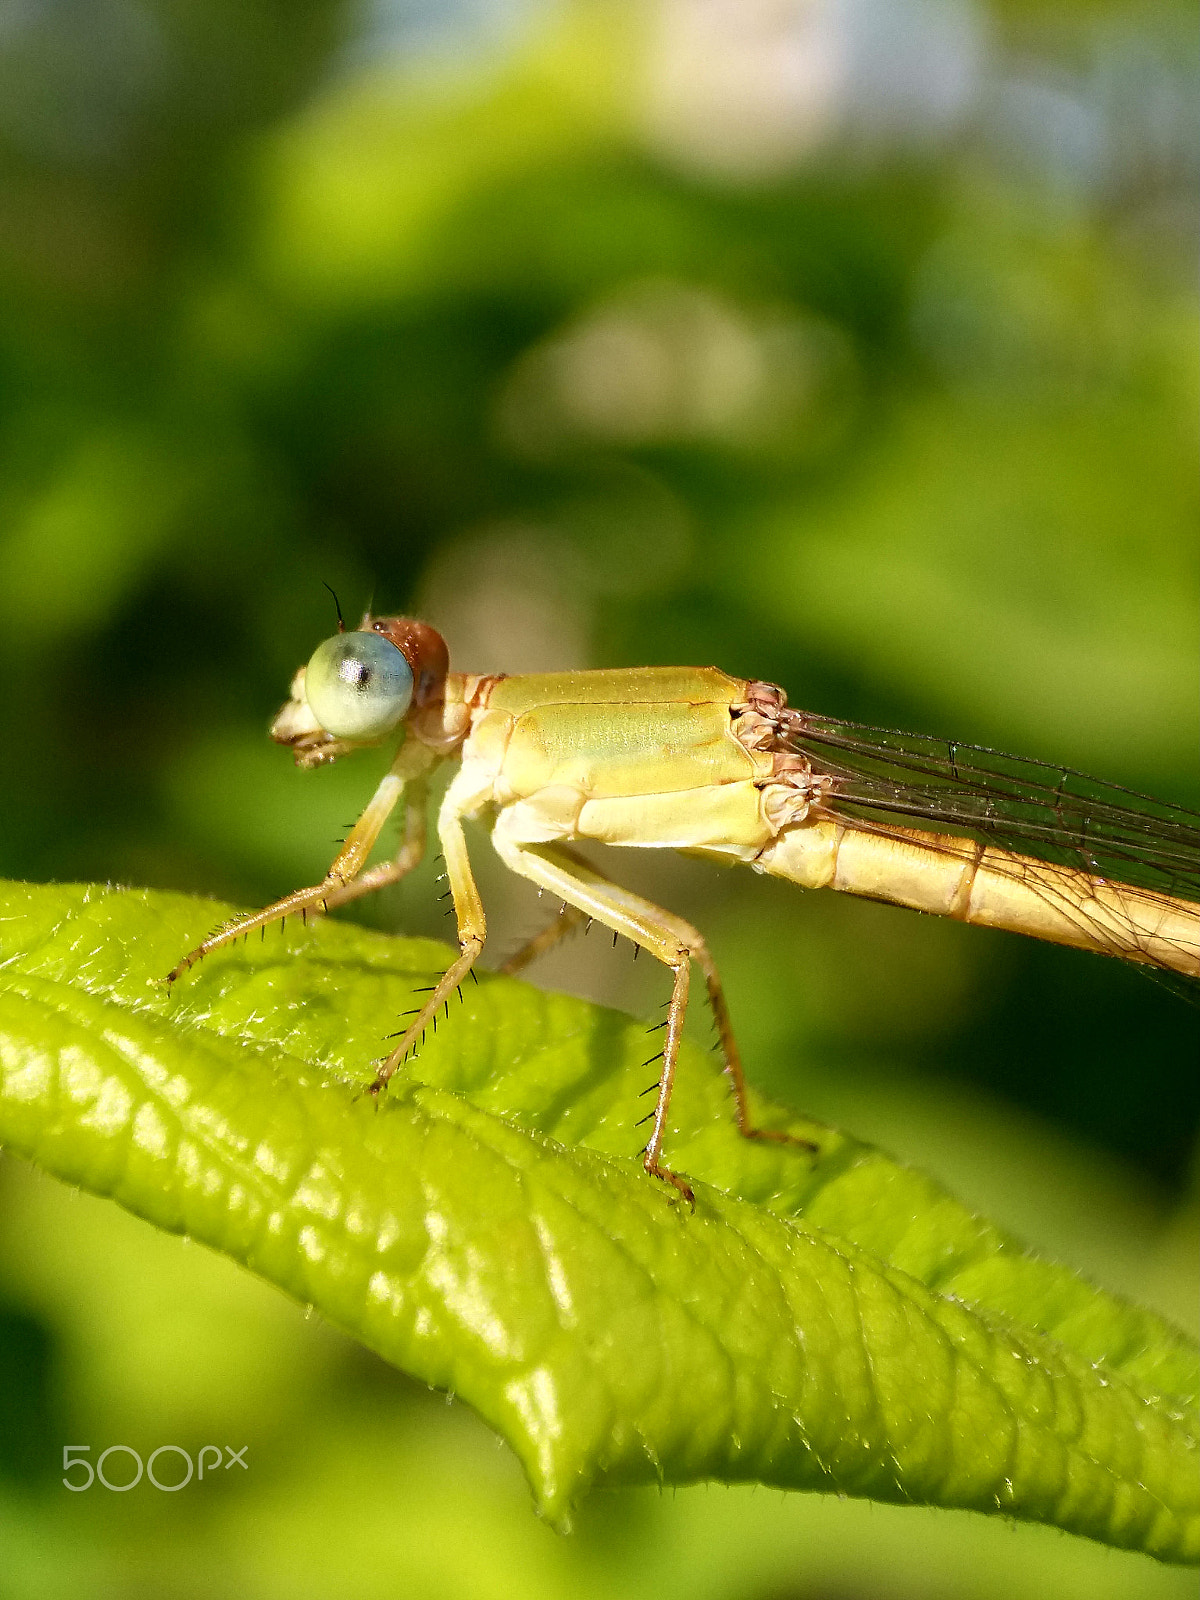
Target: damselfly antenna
[337, 604]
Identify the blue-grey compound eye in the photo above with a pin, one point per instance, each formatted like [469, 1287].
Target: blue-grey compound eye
[358, 685]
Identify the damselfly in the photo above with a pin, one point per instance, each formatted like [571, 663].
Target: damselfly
[691, 759]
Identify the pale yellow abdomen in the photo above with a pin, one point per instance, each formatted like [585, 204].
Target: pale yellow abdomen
[953, 877]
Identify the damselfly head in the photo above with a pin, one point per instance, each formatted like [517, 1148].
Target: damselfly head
[359, 686]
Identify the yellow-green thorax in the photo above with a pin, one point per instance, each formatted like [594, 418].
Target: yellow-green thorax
[635, 756]
[637, 731]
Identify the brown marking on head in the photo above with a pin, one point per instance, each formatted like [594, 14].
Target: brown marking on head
[425, 651]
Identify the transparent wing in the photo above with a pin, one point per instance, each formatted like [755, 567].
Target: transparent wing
[1054, 813]
[1057, 816]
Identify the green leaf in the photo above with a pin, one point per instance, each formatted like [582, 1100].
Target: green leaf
[834, 1322]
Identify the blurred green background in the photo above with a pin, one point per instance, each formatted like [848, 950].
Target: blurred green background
[845, 343]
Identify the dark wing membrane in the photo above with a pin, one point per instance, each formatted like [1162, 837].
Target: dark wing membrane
[1054, 813]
